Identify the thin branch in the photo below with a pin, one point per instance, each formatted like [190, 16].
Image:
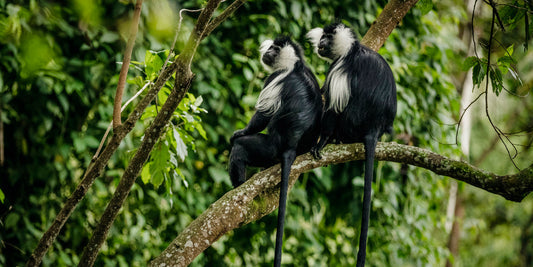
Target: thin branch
[126, 64]
[499, 132]
[222, 17]
[111, 123]
[493, 5]
[525, 9]
[463, 114]
[171, 50]
[472, 29]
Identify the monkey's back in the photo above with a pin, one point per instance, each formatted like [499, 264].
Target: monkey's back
[372, 105]
[297, 122]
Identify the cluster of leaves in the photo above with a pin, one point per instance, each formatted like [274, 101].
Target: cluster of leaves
[172, 147]
[496, 71]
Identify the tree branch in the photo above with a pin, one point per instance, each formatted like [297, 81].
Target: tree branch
[391, 15]
[258, 196]
[126, 64]
[222, 17]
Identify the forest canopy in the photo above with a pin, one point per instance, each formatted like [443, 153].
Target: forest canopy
[463, 134]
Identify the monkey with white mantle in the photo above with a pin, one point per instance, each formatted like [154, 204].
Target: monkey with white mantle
[290, 107]
[360, 102]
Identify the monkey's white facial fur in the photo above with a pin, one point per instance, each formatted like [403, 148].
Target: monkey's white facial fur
[314, 36]
[283, 58]
[265, 45]
[342, 40]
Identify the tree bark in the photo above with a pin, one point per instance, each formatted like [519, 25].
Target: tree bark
[258, 196]
[391, 15]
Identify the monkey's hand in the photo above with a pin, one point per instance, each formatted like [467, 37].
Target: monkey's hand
[237, 134]
[315, 151]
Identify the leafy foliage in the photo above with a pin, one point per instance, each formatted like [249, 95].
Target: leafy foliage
[57, 78]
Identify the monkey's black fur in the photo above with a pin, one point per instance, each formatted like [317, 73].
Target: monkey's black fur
[293, 127]
[370, 110]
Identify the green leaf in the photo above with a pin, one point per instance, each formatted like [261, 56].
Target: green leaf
[510, 49]
[145, 173]
[181, 148]
[469, 63]
[157, 178]
[200, 130]
[478, 73]
[496, 80]
[505, 62]
[153, 63]
[11, 220]
[2, 196]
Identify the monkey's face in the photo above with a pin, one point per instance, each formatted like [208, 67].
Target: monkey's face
[270, 56]
[278, 54]
[333, 41]
[324, 47]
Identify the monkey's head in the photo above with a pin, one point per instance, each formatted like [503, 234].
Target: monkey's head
[333, 41]
[279, 54]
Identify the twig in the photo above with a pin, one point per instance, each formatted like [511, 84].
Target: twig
[111, 123]
[498, 131]
[171, 50]
[222, 17]
[463, 114]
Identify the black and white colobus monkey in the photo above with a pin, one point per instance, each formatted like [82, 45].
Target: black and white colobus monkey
[290, 106]
[360, 106]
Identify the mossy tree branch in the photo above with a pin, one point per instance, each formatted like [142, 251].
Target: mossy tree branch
[258, 196]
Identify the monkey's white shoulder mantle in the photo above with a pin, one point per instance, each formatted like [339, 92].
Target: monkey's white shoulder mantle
[269, 99]
[339, 89]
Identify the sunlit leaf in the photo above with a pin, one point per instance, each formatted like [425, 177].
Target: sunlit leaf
[181, 148]
[145, 173]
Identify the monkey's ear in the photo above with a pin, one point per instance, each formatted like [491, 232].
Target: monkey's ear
[265, 45]
[314, 36]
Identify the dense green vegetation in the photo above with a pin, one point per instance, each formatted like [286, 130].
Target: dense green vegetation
[59, 70]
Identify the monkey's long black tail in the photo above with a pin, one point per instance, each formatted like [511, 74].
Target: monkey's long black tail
[370, 148]
[286, 162]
